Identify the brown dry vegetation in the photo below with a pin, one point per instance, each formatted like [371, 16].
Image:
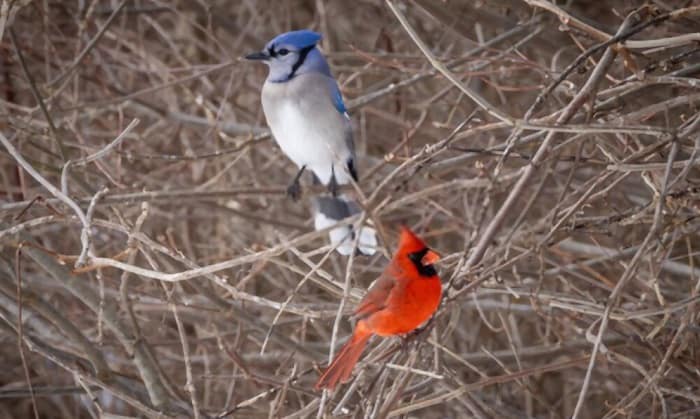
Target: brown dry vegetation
[164, 273]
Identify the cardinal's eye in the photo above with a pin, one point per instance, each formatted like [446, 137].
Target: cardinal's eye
[283, 51]
[415, 257]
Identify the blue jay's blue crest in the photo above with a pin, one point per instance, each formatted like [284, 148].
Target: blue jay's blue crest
[298, 39]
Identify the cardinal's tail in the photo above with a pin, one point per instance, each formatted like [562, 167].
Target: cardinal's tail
[341, 368]
[328, 210]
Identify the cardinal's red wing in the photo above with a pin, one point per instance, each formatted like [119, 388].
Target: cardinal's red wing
[376, 296]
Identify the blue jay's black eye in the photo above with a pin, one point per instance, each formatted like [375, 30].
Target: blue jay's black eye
[283, 51]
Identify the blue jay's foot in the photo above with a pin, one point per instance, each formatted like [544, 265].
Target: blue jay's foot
[333, 186]
[294, 189]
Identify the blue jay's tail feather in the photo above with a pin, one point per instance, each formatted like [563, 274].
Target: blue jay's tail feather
[328, 210]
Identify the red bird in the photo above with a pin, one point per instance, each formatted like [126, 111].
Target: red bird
[405, 295]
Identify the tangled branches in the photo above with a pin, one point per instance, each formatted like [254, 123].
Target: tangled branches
[152, 266]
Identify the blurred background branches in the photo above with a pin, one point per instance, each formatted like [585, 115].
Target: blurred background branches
[152, 265]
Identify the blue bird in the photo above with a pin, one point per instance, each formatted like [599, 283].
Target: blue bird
[304, 109]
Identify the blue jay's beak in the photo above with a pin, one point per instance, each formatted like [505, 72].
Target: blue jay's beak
[258, 56]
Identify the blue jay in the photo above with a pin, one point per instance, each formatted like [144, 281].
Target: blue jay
[306, 114]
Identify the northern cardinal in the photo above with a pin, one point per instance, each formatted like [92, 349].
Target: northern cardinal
[405, 295]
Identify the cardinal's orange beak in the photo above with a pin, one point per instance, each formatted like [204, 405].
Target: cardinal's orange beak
[430, 258]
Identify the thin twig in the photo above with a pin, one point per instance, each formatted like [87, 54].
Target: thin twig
[52, 189]
[20, 328]
[37, 96]
[76, 62]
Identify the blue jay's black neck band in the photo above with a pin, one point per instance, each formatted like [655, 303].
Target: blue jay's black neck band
[302, 57]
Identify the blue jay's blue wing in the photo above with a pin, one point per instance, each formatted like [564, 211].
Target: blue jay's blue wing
[337, 98]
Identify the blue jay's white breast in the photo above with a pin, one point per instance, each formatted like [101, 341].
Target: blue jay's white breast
[307, 126]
